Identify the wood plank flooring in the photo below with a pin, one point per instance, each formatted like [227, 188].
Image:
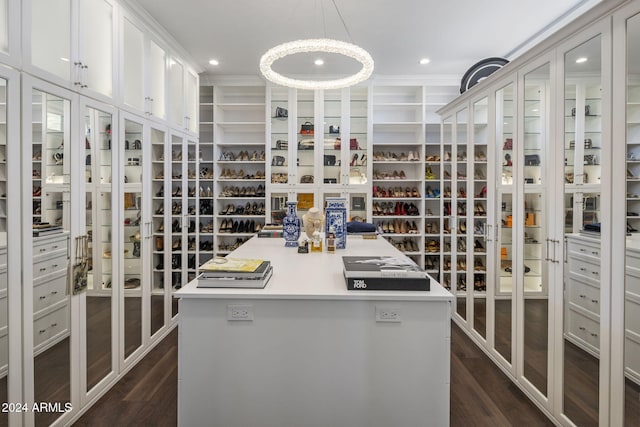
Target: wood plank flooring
[480, 394]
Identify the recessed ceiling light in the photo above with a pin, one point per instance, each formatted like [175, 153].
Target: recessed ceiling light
[64, 59]
[581, 60]
[425, 61]
[319, 62]
[214, 62]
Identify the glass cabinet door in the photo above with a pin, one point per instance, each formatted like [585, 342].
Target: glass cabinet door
[51, 199]
[505, 282]
[4, 26]
[534, 160]
[176, 92]
[156, 76]
[332, 142]
[133, 64]
[51, 37]
[433, 245]
[178, 211]
[159, 211]
[479, 205]
[280, 136]
[304, 152]
[132, 149]
[583, 142]
[632, 258]
[99, 229]
[460, 229]
[96, 44]
[358, 144]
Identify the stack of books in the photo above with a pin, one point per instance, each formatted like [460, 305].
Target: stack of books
[384, 273]
[235, 273]
[41, 229]
[271, 230]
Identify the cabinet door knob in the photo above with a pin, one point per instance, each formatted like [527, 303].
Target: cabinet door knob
[43, 269]
[582, 296]
[53, 325]
[582, 328]
[42, 297]
[42, 331]
[594, 335]
[595, 301]
[583, 269]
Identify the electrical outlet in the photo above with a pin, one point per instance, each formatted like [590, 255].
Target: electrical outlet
[239, 312]
[388, 314]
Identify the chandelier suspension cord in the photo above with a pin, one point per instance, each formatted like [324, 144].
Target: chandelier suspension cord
[342, 20]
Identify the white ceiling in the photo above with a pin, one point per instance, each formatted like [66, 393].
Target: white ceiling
[453, 34]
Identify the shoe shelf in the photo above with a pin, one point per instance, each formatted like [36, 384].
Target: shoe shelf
[239, 154]
[477, 207]
[633, 158]
[206, 178]
[159, 210]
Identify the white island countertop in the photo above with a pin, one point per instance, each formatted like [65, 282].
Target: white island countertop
[311, 276]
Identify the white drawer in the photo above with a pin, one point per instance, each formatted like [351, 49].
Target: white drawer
[587, 249]
[584, 328]
[632, 316]
[584, 295]
[632, 357]
[585, 268]
[3, 312]
[49, 292]
[51, 265]
[3, 280]
[632, 279]
[46, 245]
[50, 325]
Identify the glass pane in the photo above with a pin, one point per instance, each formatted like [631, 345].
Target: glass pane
[96, 47]
[99, 230]
[192, 102]
[536, 307]
[176, 88]
[157, 80]
[583, 144]
[480, 149]
[51, 220]
[505, 210]
[357, 137]
[445, 247]
[4, 29]
[279, 136]
[51, 36]
[178, 211]
[4, 183]
[132, 257]
[159, 211]
[459, 262]
[306, 134]
[632, 279]
[332, 140]
[133, 55]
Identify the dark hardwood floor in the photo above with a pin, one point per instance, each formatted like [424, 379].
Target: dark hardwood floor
[480, 394]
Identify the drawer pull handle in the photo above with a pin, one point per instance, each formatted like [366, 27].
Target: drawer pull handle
[54, 265]
[583, 250]
[583, 269]
[594, 253]
[595, 301]
[43, 269]
[54, 247]
[42, 331]
[42, 297]
[582, 296]
[43, 250]
[582, 328]
[595, 273]
[53, 325]
[594, 335]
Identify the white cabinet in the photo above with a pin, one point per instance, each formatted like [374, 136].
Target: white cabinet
[10, 32]
[183, 95]
[72, 42]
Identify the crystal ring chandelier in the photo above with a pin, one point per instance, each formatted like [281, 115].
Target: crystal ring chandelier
[316, 45]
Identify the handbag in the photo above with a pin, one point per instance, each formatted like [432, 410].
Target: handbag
[282, 113]
[305, 144]
[277, 161]
[329, 160]
[357, 177]
[306, 128]
[532, 160]
[306, 179]
[78, 271]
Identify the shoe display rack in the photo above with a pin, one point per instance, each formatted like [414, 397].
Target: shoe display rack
[239, 151]
[633, 158]
[132, 149]
[398, 141]
[206, 177]
[159, 180]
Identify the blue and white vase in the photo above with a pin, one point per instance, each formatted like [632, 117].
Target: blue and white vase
[336, 217]
[291, 226]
